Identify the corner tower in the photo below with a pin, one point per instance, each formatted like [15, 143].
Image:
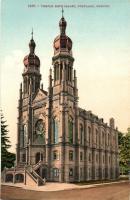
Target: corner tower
[28, 89]
[64, 98]
[63, 59]
[31, 74]
[64, 75]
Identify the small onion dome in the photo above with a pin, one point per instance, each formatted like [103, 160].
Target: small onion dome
[62, 25]
[31, 59]
[32, 43]
[62, 42]
[32, 46]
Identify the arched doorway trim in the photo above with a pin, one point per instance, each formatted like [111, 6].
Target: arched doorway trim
[19, 178]
[9, 178]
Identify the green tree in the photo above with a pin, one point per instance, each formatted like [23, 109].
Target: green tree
[128, 131]
[120, 138]
[7, 158]
[124, 152]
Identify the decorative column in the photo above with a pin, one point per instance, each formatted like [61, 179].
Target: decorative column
[93, 154]
[49, 126]
[19, 125]
[85, 151]
[62, 168]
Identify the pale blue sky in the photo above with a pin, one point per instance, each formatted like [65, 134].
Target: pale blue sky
[101, 48]
[99, 25]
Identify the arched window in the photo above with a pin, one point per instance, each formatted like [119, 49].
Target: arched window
[81, 172]
[96, 136]
[25, 85]
[96, 157]
[55, 131]
[36, 84]
[38, 157]
[89, 135]
[25, 135]
[103, 139]
[56, 155]
[113, 140]
[56, 72]
[90, 156]
[9, 178]
[71, 172]
[19, 178]
[89, 172]
[81, 134]
[108, 139]
[81, 156]
[21, 136]
[70, 127]
[44, 173]
[70, 75]
[103, 159]
[61, 68]
[71, 155]
[23, 157]
[55, 172]
[40, 131]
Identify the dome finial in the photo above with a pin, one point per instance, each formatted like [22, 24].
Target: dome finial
[62, 24]
[32, 33]
[62, 11]
[32, 44]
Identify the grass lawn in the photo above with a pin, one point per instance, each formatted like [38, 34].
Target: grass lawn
[101, 181]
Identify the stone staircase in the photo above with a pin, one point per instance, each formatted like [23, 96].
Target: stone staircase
[36, 166]
[31, 177]
[30, 170]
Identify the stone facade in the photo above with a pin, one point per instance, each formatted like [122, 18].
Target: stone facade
[59, 140]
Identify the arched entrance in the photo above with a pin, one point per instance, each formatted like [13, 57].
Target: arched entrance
[19, 178]
[9, 178]
[38, 157]
[38, 171]
[44, 173]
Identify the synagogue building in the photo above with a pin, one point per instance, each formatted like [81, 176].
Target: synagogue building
[56, 139]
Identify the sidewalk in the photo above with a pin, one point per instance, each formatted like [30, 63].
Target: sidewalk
[58, 186]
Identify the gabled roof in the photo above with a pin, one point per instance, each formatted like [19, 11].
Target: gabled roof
[40, 94]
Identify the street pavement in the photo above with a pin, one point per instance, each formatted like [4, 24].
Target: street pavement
[114, 191]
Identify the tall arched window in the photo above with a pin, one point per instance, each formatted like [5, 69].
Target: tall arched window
[21, 136]
[38, 157]
[70, 127]
[103, 139]
[113, 140]
[25, 139]
[40, 130]
[61, 68]
[108, 139]
[25, 85]
[89, 135]
[81, 134]
[56, 72]
[96, 136]
[55, 131]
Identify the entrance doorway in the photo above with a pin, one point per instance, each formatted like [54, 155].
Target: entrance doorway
[44, 173]
[38, 157]
[9, 178]
[19, 178]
